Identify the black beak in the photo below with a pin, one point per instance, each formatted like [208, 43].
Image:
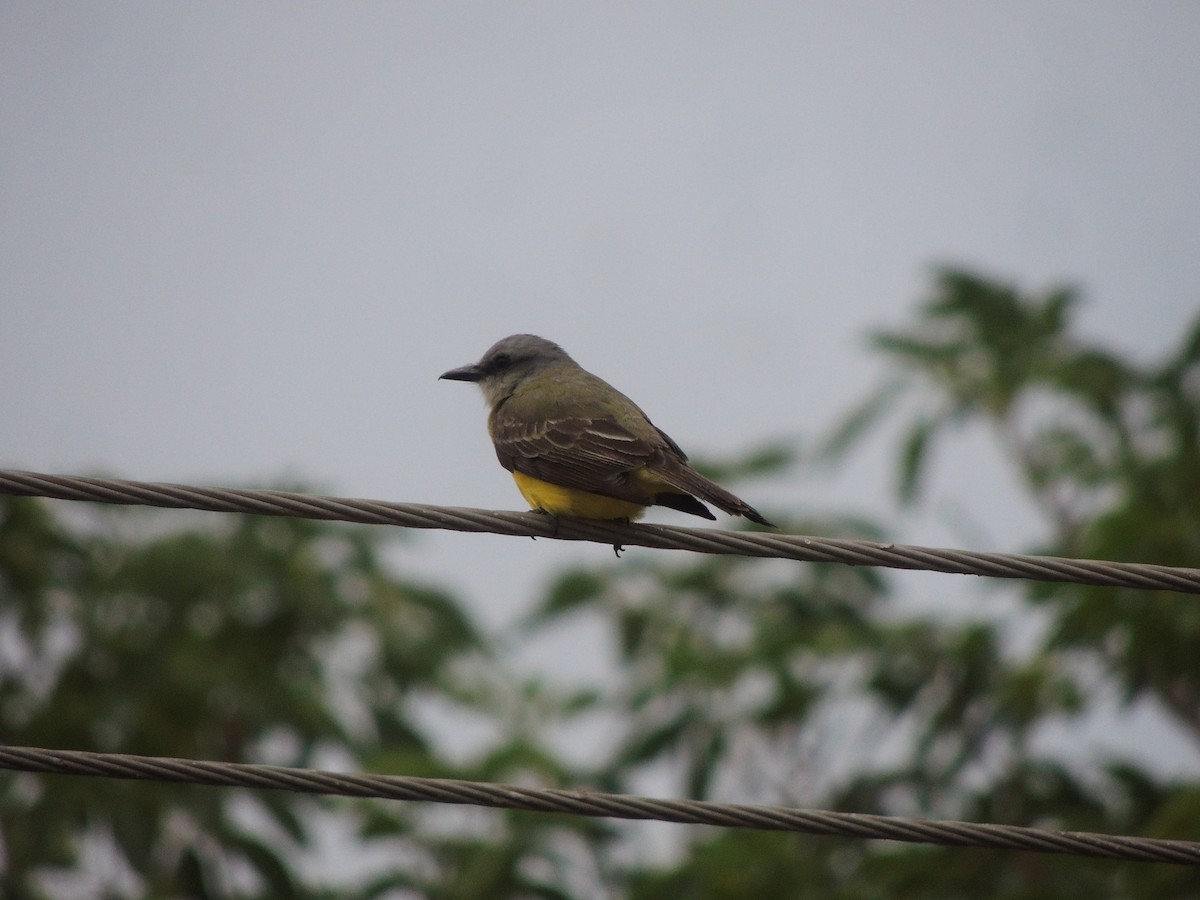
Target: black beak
[462, 373]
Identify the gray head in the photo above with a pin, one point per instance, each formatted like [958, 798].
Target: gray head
[507, 362]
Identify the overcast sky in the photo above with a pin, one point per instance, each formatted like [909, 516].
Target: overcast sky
[239, 242]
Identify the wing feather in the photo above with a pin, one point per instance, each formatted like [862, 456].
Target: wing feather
[600, 453]
[595, 454]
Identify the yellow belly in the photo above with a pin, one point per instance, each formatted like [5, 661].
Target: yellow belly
[561, 501]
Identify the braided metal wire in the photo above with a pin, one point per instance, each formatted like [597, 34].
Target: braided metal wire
[817, 822]
[599, 804]
[663, 537]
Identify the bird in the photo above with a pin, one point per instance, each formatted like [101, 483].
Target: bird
[578, 447]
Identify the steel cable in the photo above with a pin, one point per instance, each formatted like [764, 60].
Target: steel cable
[664, 537]
[599, 804]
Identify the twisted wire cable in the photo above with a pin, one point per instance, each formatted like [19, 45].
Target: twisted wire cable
[599, 804]
[664, 537]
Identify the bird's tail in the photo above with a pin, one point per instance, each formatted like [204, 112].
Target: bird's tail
[687, 479]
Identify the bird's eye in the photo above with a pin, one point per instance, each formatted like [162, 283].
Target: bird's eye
[501, 361]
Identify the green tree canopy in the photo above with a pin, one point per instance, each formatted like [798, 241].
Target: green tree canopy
[292, 642]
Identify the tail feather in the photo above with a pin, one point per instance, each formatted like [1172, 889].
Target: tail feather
[687, 479]
[684, 503]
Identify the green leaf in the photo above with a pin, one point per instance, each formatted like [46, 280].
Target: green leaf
[569, 592]
[855, 424]
[912, 460]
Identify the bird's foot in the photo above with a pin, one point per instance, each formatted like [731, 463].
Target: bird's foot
[553, 522]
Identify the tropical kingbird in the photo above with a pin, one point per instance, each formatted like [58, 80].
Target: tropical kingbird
[576, 446]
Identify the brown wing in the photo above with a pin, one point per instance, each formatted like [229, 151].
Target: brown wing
[594, 454]
[599, 453]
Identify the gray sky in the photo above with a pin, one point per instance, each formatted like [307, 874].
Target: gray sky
[240, 241]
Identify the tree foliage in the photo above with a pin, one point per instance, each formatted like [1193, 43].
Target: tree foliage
[805, 685]
[249, 639]
[242, 638]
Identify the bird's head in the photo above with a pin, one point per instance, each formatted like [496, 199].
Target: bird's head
[508, 362]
